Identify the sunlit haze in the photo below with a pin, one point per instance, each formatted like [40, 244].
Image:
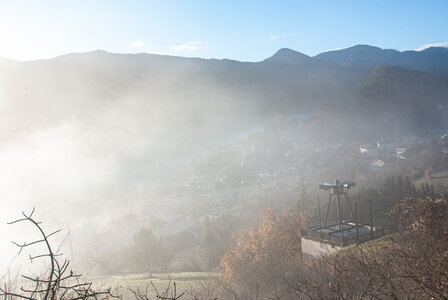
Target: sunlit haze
[224, 145]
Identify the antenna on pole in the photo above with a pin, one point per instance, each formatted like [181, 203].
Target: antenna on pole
[302, 196]
[318, 211]
[337, 190]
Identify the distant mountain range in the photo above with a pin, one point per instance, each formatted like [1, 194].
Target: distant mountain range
[433, 59]
[202, 93]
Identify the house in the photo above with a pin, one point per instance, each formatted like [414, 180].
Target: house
[369, 150]
[401, 151]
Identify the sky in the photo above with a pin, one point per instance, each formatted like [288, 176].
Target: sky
[243, 30]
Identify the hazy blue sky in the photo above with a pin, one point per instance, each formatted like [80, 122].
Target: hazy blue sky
[243, 30]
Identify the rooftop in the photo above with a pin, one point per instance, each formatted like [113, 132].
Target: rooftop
[346, 234]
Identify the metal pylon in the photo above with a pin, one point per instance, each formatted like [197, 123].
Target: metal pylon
[339, 208]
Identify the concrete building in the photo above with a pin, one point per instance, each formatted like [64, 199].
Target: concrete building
[323, 240]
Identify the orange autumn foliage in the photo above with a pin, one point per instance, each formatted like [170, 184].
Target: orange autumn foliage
[261, 254]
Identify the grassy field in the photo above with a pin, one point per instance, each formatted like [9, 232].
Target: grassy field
[123, 284]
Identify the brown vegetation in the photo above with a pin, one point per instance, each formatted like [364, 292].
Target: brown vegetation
[264, 262]
[411, 263]
[260, 255]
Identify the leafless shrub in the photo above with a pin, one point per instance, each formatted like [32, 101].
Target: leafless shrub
[58, 282]
[170, 292]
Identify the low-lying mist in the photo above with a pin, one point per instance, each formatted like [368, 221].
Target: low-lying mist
[94, 140]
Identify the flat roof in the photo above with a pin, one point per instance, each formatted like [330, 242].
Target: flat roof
[342, 235]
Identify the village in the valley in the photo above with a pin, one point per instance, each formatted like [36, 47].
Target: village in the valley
[272, 167]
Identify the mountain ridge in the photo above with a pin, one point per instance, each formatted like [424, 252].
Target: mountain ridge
[288, 56]
[433, 59]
